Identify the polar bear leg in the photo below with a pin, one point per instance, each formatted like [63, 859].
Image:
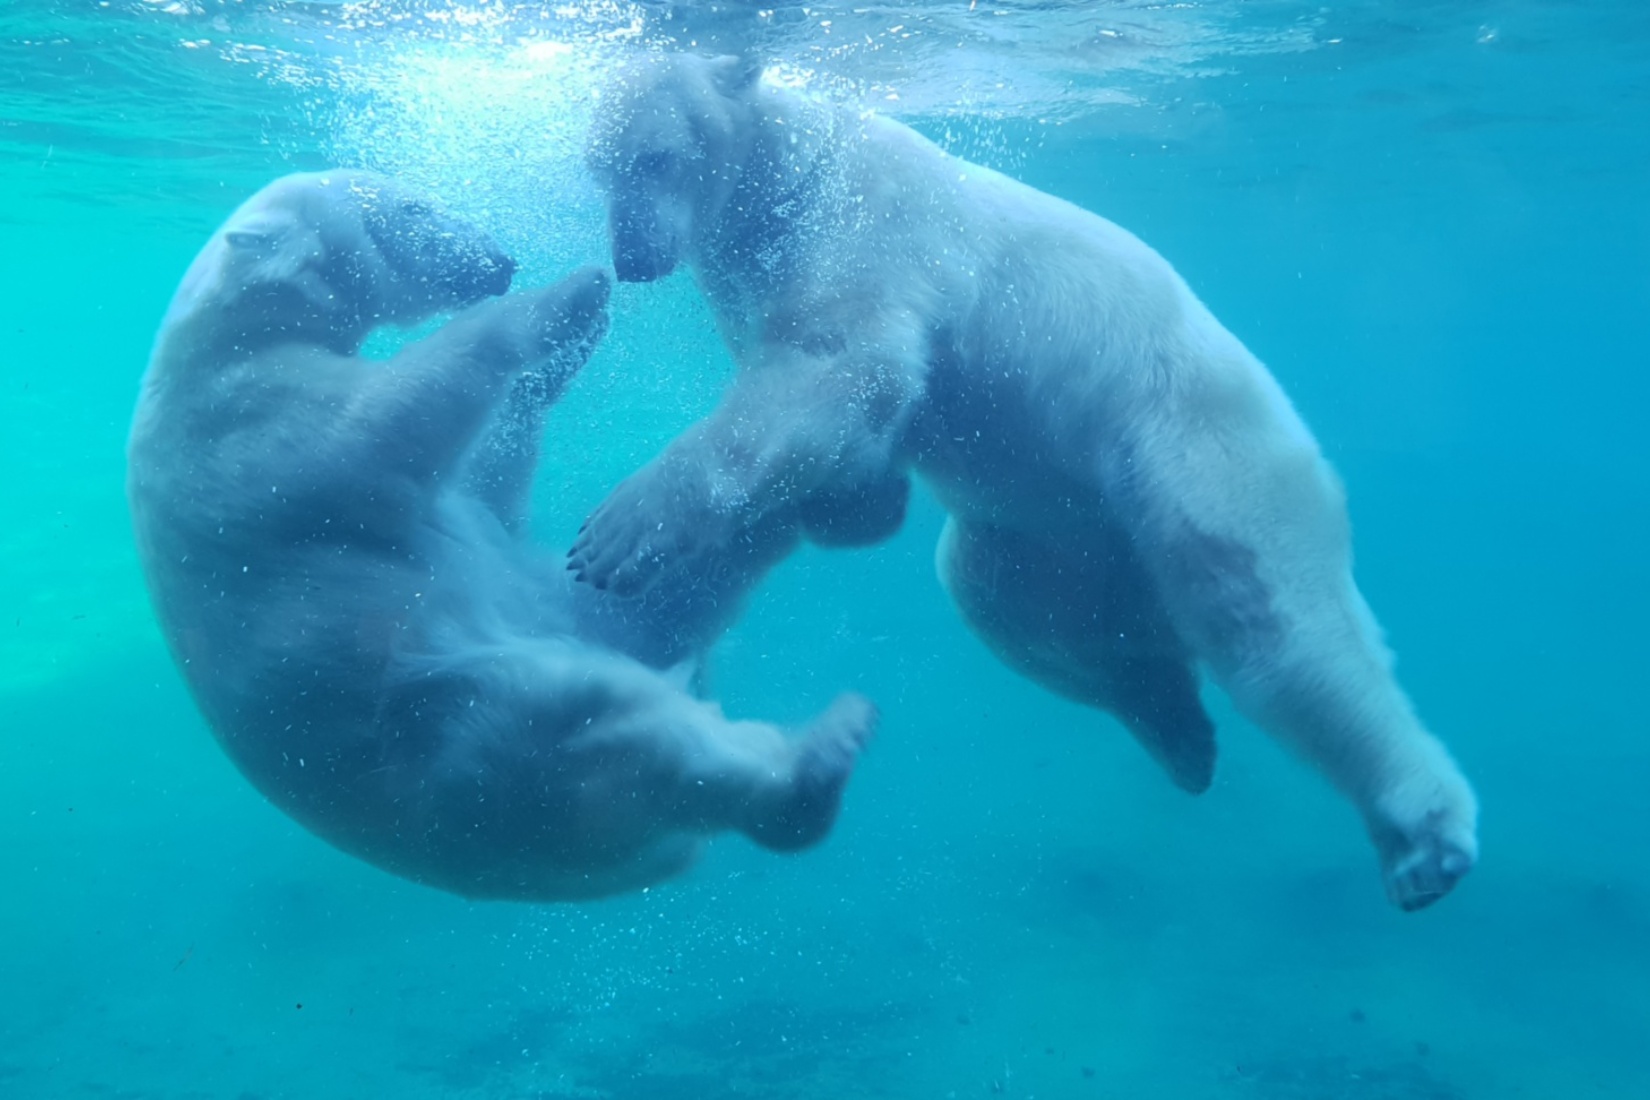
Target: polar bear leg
[712, 774]
[558, 771]
[499, 472]
[658, 758]
[1084, 621]
[1245, 529]
[798, 805]
[425, 408]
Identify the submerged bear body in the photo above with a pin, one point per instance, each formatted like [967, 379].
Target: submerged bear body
[333, 548]
[1132, 497]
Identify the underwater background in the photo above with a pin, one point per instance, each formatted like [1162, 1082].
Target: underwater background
[1429, 219]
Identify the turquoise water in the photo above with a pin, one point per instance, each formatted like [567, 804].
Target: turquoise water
[1428, 219]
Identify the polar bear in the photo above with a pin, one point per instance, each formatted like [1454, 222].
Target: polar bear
[1130, 494]
[329, 546]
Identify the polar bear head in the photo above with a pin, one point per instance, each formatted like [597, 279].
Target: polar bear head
[340, 252]
[667, 148]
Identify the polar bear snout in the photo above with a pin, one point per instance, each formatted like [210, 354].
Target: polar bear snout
[462, 263]
[439, 260]
[642, 250]
[650, 223]
[637, 265]
[487, 279]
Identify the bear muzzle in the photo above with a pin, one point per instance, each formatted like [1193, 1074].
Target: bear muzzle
[637, 266]
[642, 252]
[480, 276]
[493, 277]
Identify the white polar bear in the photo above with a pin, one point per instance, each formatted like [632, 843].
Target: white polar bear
[1130, 492]
[328, 542]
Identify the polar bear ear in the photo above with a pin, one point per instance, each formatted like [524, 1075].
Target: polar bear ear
[734, 73]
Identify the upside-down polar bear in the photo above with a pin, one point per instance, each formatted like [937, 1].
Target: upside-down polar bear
[331, 545]
[1130, 492]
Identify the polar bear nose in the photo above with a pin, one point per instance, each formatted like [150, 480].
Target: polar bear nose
[490, 277]
[482, 272]
[634, 263]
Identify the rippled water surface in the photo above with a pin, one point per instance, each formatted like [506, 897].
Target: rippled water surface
[1429, 220]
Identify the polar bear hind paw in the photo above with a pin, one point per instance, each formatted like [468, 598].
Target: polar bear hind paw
[807, 806]
[1424, 862]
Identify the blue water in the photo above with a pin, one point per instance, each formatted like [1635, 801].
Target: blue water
[1429, 219]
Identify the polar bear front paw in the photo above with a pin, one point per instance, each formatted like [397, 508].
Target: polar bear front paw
[650, 525]
[806, 807]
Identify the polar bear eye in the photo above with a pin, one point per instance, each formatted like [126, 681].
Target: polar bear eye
[249, 240]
